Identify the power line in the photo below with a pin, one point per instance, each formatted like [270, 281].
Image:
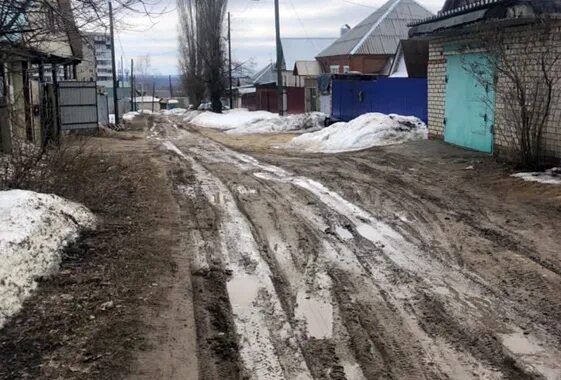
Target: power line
[359, 4]
[302, 25]
[249, 4]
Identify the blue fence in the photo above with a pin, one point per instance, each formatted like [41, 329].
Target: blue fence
[354, 97]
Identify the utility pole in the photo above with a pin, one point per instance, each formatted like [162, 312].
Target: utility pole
[280, 86]
[230, 59]
[170, 88]
[113, 63]
[132, 85]
[153, 94]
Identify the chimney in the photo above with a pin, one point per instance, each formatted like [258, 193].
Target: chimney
[344, 29]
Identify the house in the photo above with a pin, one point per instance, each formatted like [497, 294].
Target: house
[370, 46]
[44, 37]
[265, 81]
[309, 71]
[473, 113]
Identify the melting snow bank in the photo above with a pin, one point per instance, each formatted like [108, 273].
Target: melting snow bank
[368, 130]
[550, 176]
[34, 228]
[130, 115]
[246, 122]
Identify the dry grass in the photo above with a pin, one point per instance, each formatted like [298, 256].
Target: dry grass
[86, 321]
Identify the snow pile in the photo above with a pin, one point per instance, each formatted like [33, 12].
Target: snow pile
[190, 115]
[33, 230]
[241, 121]
[368, 130]
[231, 119]
[130, 116]
[174, 111]
[550, 176]
[312, 121]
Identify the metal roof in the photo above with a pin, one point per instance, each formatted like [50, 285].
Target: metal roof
[459, 13]
[303, 49]
[266, 75]
[307, 68]
[294, 49]
[380, 32]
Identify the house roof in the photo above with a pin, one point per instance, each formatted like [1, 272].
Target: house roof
[303, 49]
[380, 32]
[458, 13]
[294, 49]
[266, 75]
[307, 68]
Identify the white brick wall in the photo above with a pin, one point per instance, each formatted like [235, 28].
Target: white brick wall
[503, 133]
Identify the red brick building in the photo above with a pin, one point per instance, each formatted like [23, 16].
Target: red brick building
[370, 46]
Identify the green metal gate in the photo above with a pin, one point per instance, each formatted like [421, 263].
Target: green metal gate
[470, 102]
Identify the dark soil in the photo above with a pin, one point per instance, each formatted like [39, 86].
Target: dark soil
[87, 321]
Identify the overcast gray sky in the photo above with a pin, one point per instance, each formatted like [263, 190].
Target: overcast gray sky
[253, 28]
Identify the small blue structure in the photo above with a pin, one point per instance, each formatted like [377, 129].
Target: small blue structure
[355, 95]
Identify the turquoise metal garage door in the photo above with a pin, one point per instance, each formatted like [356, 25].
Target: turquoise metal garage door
[470, 102]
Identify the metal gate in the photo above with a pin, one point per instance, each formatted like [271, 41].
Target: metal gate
[469, 108]
[77, 102]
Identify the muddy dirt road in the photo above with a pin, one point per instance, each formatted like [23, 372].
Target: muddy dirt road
[393, 263]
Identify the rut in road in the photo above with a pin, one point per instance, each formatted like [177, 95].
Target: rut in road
[320, 288]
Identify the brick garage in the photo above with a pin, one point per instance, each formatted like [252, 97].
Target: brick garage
[469, 38]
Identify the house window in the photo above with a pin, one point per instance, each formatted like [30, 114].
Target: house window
[346, 69]
[334, 69]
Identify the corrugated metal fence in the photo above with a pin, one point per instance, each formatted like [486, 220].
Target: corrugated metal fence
[356, 96]
[78, 105]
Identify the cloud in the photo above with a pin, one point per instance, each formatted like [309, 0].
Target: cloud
[253, 31]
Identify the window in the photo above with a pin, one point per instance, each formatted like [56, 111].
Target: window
[346, 69]
[334, 69]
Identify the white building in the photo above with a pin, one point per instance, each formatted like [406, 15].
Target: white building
[97, 63]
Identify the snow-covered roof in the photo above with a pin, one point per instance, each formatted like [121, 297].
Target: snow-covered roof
[303, 49]
[380, 32]
[307, 68]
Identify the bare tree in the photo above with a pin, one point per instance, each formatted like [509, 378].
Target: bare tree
[525, 63]
[190, 58]
[202, 48]
[143, 72]
[34, 23]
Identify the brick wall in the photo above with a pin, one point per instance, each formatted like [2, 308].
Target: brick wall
[516, 47]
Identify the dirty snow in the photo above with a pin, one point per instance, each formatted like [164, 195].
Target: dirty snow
[33, 230]
[130, 115]
[240, 121]
[174, 111]
[368, 130]
[255, 304]
[312, 121]
[550, 176]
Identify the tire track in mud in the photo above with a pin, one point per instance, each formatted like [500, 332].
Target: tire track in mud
[463, 226]
[268, 347]
[217, 341]
[391, 302]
